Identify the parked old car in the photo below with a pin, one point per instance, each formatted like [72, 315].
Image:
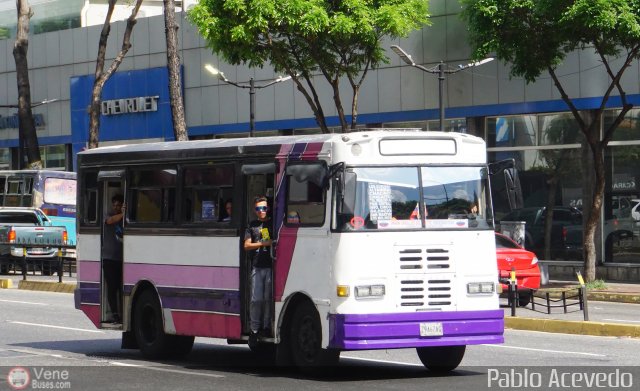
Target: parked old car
[566, 231]
[29, 232]
[524, 263]
[534, 217]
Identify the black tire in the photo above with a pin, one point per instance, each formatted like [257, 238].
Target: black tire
[4, 269]
[441, 359]
[305, 340]
[524, 299]
[149, 330]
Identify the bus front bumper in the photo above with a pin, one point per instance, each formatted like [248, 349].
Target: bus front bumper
[417, 329]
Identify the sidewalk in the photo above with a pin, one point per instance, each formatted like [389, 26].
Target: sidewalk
[573, 322]
[37, 282]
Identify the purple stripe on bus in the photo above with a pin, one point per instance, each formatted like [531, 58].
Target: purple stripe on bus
[382, 331]
[201, 300]
[90, 295]
[183, 275]
[190, 299]
[297, 150]
[88, 270]
[88, 285]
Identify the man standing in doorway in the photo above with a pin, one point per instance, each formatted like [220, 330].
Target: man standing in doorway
[257, 243]
[112, 257]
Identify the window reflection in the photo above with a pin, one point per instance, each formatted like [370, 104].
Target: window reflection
[513, 131]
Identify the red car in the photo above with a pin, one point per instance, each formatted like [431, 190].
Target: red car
[525, 263]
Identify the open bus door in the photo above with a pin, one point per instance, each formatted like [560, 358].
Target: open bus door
[110, 184]
[258, 180]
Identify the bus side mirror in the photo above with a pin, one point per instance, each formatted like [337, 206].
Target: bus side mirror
[509, 191]
[514, 191]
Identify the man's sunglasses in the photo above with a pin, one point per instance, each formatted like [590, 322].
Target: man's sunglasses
[262, 208]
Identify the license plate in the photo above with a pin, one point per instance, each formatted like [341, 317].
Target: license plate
[431, 329]
[38, 251]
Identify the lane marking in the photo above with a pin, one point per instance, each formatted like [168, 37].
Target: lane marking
[546, 350]
[54, 327]
[21, 302]
[164, 369]
[381, 361]
[623, 320]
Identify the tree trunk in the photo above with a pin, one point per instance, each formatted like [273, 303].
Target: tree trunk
[594, 217]
[335, 85]
[102, 76]
[28, 139]
[173, 63]
[354, 106]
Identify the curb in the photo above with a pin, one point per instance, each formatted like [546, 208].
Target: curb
[614, 297]
[573, 327]
[46, 286]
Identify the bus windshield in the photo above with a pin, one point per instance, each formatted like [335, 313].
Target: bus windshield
[425, 197]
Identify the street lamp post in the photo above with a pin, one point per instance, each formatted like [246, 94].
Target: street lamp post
[441, 70]
[252, 92]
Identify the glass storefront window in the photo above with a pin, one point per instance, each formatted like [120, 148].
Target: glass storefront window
[5, 158]
[512, 131]
[53, 157]
[629, 128]
[458, 125]
[621, 233]
[48, 15]
[559, 129]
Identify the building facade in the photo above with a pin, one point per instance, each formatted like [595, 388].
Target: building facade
[527, 122]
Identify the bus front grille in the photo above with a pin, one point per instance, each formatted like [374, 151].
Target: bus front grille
[425, 277]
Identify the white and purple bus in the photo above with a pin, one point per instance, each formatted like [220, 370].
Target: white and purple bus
[393, 248]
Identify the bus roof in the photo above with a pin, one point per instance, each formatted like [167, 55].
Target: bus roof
[272, 140]
[159, 151]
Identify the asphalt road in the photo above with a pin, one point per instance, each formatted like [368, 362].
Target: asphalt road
[42, 330]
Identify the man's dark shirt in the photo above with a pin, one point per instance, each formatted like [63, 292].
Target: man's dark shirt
[262, 256]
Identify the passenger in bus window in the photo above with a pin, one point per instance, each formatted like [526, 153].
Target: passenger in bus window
[257, 243]
[112, 256]
[228, 207]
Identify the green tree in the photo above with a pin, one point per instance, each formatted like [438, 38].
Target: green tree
[534, 36]
[334, 38]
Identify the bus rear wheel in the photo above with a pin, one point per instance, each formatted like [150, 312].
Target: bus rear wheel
[441, 358]
[305, 340]
[149, 331]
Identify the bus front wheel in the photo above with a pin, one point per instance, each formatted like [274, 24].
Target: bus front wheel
[441, 358]
[305, 339]
[149, 331]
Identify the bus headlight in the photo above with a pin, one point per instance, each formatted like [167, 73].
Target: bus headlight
[480, 287]
[370, 291]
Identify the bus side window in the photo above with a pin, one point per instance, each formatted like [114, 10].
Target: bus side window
[152, 195]
[306, 197]
[204, 188]
[3, 181]
[90, 198]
